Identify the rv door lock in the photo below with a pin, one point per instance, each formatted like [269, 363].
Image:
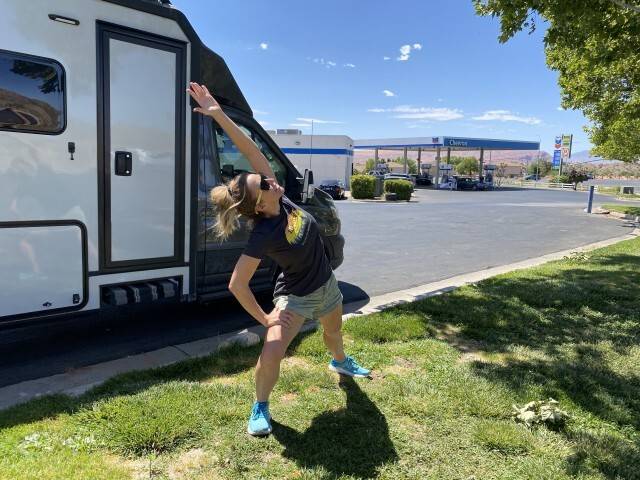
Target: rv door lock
[71, 147]
[123, 164]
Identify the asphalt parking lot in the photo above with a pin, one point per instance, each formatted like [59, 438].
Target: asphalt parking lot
[394, 246]
[390, 246]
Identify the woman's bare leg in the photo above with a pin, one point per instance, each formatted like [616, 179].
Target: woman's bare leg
[332, 333]
[276, 342]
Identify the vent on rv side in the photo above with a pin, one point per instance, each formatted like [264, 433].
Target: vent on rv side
[151, 291]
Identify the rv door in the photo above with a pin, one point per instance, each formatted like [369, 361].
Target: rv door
[141, 117]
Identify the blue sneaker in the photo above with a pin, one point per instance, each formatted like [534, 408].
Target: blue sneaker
[260, 420]
[349, 367]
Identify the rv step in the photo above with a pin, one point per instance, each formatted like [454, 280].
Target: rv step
[150, 291]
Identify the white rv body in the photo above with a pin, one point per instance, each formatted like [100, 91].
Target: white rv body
[41, 184]
[328, 156]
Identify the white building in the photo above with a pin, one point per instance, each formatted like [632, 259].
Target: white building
[327, 156]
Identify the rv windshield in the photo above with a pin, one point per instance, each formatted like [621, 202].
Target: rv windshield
[232, 162]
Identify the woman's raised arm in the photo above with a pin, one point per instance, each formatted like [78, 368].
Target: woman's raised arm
[209, 106]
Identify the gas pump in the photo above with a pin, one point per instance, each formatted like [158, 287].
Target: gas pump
[489, 174]
[425, 175]
[447, 180]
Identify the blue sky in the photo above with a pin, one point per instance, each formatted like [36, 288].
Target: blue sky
[444, 74]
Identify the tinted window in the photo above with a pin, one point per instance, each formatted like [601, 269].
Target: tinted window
[31, 94]
[232, 162]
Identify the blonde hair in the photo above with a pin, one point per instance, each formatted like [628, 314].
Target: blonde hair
[232, 201]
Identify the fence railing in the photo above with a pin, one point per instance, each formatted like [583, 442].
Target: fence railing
[548, 185]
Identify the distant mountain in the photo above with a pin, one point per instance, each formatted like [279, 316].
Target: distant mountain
[585, 156]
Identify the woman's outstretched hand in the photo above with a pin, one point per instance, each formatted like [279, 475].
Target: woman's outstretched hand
[202, 97]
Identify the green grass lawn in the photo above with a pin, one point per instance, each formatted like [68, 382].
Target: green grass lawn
[629, 210]
[447, 371]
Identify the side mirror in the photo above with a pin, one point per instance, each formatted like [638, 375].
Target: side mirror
[307, 186]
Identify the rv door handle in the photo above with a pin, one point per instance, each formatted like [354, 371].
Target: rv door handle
[123, 164]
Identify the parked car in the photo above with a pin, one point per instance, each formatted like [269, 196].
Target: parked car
[400, 176]
[333, 187]
[424, 179]
[466, 183]
[534, 177]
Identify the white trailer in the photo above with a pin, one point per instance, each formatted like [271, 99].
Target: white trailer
[329, 156]
[104, 169]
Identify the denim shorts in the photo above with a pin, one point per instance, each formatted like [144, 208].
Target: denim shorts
[314, 305]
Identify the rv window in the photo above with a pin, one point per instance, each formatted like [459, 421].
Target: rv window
[31, 94]
[232, 162]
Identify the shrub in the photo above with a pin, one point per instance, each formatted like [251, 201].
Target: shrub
[363, 186]
[402, 188]
[564, 178]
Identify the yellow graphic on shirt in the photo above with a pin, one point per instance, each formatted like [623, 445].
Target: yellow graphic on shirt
[294, 230]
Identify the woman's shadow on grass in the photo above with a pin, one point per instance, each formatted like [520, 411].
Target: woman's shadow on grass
[352, 441]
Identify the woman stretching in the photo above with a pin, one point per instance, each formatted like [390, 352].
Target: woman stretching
[306, 288]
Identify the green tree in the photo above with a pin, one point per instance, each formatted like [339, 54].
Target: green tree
[541, 167]
[595, 47]
[412, 165]
[467, 166]
[577, 177]
[370, 165]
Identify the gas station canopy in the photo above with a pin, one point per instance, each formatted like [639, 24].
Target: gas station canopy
[438, 144]
[434, 143]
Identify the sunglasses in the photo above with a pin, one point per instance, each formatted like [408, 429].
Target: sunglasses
[264, 186]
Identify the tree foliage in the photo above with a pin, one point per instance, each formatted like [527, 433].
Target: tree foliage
[465, 165]
[576, 177]
[370, 165]
[595, 47]
[541, 167]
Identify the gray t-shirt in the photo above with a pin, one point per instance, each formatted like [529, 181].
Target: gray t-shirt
[293, 241]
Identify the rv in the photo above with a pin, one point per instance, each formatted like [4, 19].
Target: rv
[105, 171]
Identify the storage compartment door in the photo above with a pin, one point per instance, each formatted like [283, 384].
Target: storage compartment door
[44, 268]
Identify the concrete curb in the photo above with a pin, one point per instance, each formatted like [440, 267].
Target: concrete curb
[83, 379]
[624, 216]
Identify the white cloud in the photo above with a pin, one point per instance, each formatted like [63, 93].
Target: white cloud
[316, 120]
[350, 65]
[326, 63]
[260, 112]
[386, 58]
[388, 93]
[440, 100]
[263, 123]
[405, 51]
[301, 125]
[560, 109]
[428, 113]
[422, 113]
[264, 46]
[506, 116]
